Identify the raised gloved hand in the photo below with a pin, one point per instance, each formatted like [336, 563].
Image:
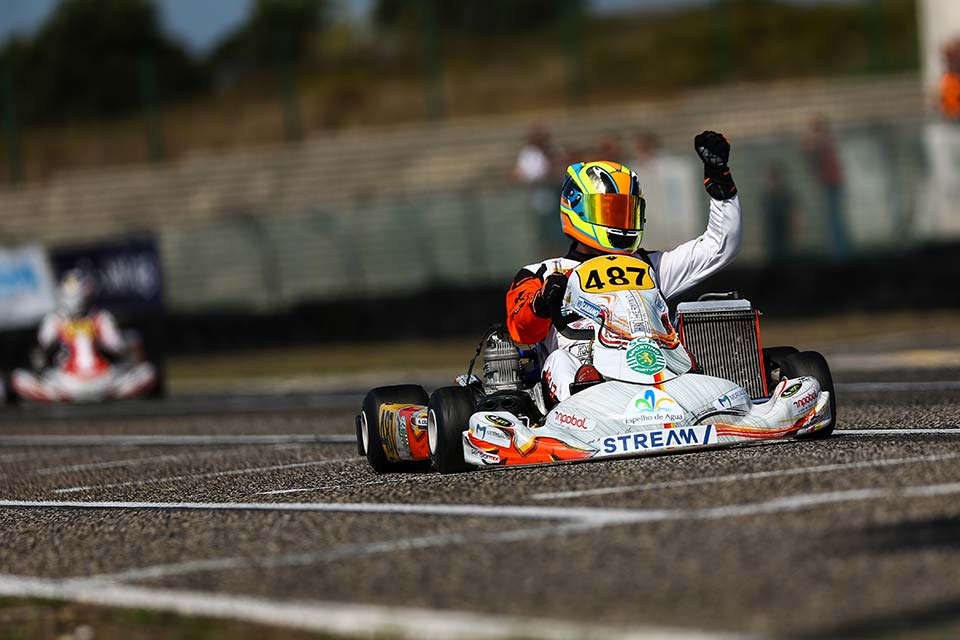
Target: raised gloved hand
[714, 150]
[550, 295]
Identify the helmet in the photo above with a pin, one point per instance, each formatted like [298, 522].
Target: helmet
[76, 292]
[601, 205]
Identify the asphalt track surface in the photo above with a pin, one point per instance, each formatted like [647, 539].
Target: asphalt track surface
[259, 508]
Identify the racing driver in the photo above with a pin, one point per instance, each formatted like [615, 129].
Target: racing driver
[603, 211]
[79, 340]
[77, 326]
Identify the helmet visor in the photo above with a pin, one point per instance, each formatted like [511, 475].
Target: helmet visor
[616, 210]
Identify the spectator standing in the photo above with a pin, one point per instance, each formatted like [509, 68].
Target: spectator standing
[950, 83]
[671, 186]
[824, 162]
[778, 205]
[536, 167]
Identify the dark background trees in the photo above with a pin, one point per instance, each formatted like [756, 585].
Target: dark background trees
[97, 58]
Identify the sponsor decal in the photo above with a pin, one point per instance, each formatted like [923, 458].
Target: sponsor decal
[499, 421]
[487, 457]
[582, 323]
[735, 398]
[645, 357]
[18, 276]
[403, 440]
[551, 385]
[580, 350]
[802, 402]
[388, 433]
[660, 305]
[573, 420]
[660, 439]
[128, 271]
[586, 308]
[493, 435]
[652, 407]
[26, 286]
[792, 390]
[420, 421]
[638, 316]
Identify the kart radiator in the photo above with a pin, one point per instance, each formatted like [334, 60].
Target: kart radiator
[723, 337]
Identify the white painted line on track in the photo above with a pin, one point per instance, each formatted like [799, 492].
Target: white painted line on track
[123, 440]
[737, 477]
[932, 490]
[897, 432]
[202, 455]
[589, 515]
[196, 476]
[325, 487]
[904, 386]
[106, 464]
[336, 618]
[454, 510]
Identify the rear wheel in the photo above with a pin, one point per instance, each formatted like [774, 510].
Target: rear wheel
[361, 444]
[449, 414]
[811, 363]
[368, 425]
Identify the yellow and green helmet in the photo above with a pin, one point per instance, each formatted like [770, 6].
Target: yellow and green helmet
[601, 205]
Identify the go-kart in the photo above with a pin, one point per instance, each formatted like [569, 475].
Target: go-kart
[84, 373]
[706, 383]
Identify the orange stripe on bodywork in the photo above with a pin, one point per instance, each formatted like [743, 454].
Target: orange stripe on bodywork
[543, 449]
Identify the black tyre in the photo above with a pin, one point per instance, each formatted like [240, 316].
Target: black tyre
[811, 363]
[369, 426]
[773, 357]
[449, 414]
[360, 446]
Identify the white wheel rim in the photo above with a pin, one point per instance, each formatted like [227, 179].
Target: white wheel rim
[432, 431]
[364, 432]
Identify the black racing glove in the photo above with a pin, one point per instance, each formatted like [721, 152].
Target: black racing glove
[714, 150]
[550, 295]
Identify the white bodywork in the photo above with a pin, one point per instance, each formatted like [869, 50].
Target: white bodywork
[55, 385]
[650, 401]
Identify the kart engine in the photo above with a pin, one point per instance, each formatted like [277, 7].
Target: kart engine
[501, 363]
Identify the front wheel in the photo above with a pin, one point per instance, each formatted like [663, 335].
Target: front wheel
[773, 358]
[811, 363]
[368, 426]
[448, 417]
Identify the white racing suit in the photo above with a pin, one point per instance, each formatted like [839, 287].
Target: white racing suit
[673, 272]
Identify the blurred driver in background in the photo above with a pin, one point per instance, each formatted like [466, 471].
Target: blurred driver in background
[81, 331]
[602, 210]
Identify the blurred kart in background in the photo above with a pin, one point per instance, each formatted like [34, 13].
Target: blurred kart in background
[652, 388]
[80, 372]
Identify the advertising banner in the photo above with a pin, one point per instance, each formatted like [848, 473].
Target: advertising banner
[128, 272]
[26, 287]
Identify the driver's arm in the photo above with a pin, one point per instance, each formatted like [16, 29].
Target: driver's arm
[696, 260]
[108, 333]
[530, 301]
[525, 325]
[48, 335]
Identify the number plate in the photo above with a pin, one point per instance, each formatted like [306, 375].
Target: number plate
[614, 273]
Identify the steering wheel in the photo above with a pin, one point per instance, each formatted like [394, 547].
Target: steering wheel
[562, 323]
